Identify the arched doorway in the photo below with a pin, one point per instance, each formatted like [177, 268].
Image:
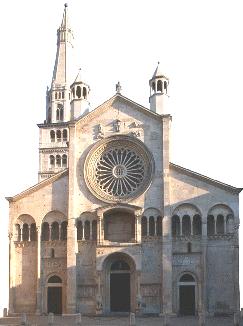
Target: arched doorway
[119, 279]
[54, 295]
[187, 295]
[120, 286]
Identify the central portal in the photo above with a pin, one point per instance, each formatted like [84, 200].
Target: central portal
[120, 287]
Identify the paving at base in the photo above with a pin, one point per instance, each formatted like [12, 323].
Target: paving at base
[117, 321]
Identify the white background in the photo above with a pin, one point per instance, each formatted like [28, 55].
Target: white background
[199, 45]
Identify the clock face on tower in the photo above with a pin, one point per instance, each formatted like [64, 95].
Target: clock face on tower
[118, 168]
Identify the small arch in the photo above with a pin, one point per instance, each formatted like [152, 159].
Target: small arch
[64, 230]
[79, 230]
[59, 95]
[220, 224]
[187, 278]
[210, 225]
[151, 226]
[78, 92]
[45, 231]
[176, 226]
[52, 161]
[58, 161]
[84, 92]
[94, 230]
[64, 135]
[73, 92]
[87, 230]
[59, 135]
[197, 225]
[63, 95]
[55, 95]
[52, 253]
[153, 86]
[144, 226]
[33, 233]
[25, 232]
[159, 86]
[61, 114]
[165, 85]
[52, 136]
[54, 279]
[57, 114]
[64, 160]
[55, 231]
[186, 225]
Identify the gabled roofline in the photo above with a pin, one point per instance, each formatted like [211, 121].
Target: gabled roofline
[202, 177]
[111, 100]
[37, 186]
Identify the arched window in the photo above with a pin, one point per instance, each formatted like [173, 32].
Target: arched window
[144, 226]
[220, 224]
[55, 231]
[57, 114]
[159, 86]
[78, 91]
[25, 232]
[153, 86]
[151, 226]
[64, 160]
[175, 226]
[52, 253]
[52, 135]
[159, 225]
[52, 161]
[210, 225]
[55, 279]
[197, 225]
[58, 161]
[73, 92]
[59, 95]
[64, 135]
[87, 230]
[64, 230]
[85, 92]
[55, 95]
[61, 114]
[33, 234]
[45, 232]
[79, 230]
[186, 225]
[94, 230]
[62, 94]
[59, 135]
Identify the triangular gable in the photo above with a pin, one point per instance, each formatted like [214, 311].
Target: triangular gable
[118, 97]
[206, 179]
[38, 186]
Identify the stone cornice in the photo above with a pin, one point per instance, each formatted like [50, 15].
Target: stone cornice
[54, 150]
[206, 179]
[53, 125]
[107, 104]
[38, 186]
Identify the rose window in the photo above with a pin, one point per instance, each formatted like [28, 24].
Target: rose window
[118, 169]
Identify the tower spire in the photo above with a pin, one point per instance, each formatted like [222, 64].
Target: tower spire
[58, 97]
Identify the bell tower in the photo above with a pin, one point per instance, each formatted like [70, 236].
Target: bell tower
[158, 92]
[79, 97]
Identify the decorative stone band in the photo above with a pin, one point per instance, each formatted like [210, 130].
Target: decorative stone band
[118, 169]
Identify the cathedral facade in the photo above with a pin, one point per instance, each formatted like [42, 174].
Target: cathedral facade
[113, 225]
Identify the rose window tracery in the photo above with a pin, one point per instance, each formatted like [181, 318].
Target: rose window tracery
[118, 169]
